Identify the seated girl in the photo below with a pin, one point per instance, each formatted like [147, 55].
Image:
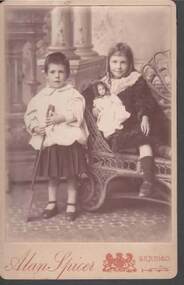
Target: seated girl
[146, 124]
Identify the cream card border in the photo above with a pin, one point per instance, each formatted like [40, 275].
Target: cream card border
[90, 255]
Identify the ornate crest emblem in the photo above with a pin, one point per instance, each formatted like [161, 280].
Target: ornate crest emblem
[122, 263]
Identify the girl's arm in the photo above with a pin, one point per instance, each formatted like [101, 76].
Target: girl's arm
[144, 105]
[144, 101]
[145, 125]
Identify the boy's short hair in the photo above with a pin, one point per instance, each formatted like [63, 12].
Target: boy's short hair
[57, 58]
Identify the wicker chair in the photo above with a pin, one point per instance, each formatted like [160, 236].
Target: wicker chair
[104, 166]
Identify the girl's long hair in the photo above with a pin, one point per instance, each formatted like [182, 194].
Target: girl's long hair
[120, 49]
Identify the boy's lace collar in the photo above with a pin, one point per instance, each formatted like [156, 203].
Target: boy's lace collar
[118, 85]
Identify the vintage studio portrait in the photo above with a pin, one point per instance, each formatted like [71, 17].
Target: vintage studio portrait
[88, 124]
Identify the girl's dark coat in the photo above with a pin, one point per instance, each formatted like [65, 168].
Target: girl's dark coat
[139, 101]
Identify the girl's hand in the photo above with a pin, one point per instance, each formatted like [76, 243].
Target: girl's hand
[54, 119]
[95, 112]
[39, 130]
[145, 125]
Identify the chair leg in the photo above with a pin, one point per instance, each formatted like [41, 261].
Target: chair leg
[97, 195]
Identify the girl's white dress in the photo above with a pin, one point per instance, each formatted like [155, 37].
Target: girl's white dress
[67, 101]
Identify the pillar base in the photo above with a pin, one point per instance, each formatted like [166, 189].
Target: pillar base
[68, 52]
[85, 53]
[84, 71]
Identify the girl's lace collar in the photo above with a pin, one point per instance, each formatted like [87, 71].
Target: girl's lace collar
[118, 85]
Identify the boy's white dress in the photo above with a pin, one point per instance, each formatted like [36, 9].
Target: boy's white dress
[111, 114]
[67, 101]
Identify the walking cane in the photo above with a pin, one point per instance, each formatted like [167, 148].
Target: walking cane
[35, 169]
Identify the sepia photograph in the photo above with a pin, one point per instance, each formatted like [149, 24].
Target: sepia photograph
[90, 133]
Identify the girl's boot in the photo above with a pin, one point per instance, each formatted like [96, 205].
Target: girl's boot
[147, 165]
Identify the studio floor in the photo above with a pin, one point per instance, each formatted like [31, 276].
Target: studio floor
[117, 221]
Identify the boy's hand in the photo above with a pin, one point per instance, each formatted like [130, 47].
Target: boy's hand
[145, 125]
[54, 119]
[40, 130]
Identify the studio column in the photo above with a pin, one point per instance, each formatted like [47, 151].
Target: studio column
[82, 32]
[62, 31]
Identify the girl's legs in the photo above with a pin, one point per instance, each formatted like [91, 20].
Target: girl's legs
[145, 150]
[147, 164]
[51, 208]
[72, 198]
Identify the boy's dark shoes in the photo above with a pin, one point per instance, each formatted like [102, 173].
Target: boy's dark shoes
[49, 213]
[71, 216]
[146, 189]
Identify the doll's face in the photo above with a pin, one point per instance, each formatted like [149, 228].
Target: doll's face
[101, 90]
[118, 66]
[56, 75]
